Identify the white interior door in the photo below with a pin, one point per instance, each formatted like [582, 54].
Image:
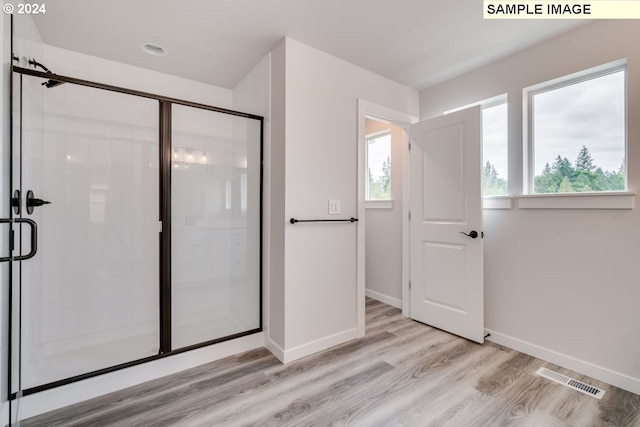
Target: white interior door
[446, 202]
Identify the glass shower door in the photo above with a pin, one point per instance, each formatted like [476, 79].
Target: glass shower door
[215, 231]
[90, 298]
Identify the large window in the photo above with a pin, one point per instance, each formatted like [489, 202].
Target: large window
[379, 166]
[578, 134]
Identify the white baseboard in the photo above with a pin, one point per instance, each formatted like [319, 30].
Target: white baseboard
[275, 349]
[312, 347]
[393, 302]
[59, 397]
[608, 376]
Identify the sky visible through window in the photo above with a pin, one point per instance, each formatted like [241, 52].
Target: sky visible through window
[379, 167]
[590, 114]
[494, 138]
[379, 150]
[495, 147]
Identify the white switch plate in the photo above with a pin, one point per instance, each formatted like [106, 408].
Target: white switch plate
[334, 207]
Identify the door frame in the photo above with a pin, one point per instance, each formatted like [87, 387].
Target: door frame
[381, 113]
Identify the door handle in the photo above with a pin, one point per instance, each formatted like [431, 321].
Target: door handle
[32, 202]
[34, 238]
[473, 234]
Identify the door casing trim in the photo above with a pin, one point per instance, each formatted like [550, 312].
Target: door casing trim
[371, 110]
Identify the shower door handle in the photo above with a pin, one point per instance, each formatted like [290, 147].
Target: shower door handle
[34, 238]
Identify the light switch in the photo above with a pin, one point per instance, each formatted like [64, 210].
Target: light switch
[334, 207]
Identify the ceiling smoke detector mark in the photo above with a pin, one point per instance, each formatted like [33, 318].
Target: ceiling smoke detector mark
[154, 49]
[571, 383]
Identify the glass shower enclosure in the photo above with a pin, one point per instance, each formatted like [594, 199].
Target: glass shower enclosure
[148, 213]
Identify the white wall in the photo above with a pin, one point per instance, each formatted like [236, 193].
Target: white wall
[275, 297]
[73, 64]
[253, 95]
[384, 228]
[561, 284]
[320, 137]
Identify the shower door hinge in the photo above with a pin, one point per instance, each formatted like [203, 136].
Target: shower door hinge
[409, 284]
[409, 215]
[159, 226]
[409, 146]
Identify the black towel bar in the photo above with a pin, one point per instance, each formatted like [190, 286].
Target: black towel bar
[293, 220]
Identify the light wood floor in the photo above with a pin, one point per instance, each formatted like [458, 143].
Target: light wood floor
[402, 373]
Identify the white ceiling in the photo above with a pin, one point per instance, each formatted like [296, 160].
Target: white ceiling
[415, 42]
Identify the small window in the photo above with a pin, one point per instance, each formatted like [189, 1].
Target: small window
[495, 150]
[495, 145]
[578, 134]
[379, 166]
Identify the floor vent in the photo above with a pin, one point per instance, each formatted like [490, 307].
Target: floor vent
[571, 383]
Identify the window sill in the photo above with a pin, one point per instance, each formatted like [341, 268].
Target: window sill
[378, 204]
[608, 200]
[496, 202]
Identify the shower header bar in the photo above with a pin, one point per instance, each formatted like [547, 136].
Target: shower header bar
[294, 221]
[65, 79]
